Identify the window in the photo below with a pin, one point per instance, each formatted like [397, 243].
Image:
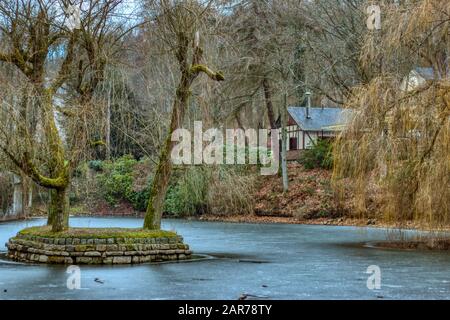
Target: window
[293, 143]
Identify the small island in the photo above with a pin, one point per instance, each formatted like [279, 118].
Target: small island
[97, 246]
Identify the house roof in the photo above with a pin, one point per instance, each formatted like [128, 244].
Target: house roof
[428, 73]
[320, 119]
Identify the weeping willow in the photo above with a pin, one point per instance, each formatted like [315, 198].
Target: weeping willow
[396, 150]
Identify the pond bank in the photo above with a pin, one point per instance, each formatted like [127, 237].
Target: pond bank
[430, 243]
[276, 219]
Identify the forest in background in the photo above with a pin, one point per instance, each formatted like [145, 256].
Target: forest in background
[85, 113]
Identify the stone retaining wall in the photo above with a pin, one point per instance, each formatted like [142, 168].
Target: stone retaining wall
[97, 251]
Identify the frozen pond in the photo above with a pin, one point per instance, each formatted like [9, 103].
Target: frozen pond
[268, 261]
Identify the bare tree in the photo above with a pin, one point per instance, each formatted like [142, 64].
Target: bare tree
[42, 51]
[334, 38]
[179, 25]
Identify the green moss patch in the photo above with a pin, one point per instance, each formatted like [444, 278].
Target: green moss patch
[97, 233]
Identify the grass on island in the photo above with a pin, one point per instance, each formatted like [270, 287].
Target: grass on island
[97, 233]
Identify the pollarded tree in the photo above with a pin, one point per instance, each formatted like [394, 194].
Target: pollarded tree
[179, 25]
[45, 58]
[29, 32]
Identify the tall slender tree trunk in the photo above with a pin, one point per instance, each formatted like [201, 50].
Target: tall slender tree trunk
[284, 138]
[27, 195]
[269, 105]
[17, 208]
[189, 72]
[58, 210]
[161, 179]
[108, 126]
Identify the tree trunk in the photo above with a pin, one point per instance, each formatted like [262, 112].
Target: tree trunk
[269, 104]
[30, 198]
[25, 195]
[58, 210]
[108, 126]
[161, 179]
[17, 209]
[284, 138]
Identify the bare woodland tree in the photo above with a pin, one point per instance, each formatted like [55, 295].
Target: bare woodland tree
[178, 24]
[334, 34]
[261, 65]
[251, 78]
[35, 37]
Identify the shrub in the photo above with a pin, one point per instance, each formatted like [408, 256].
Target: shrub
[319, 156]
[231, 191]
[192, 190]
[187, 194]
[139, 199]
[116, 181]
[96, 165]
[212, 189]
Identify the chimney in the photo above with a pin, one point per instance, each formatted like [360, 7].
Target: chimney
[308, 105]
